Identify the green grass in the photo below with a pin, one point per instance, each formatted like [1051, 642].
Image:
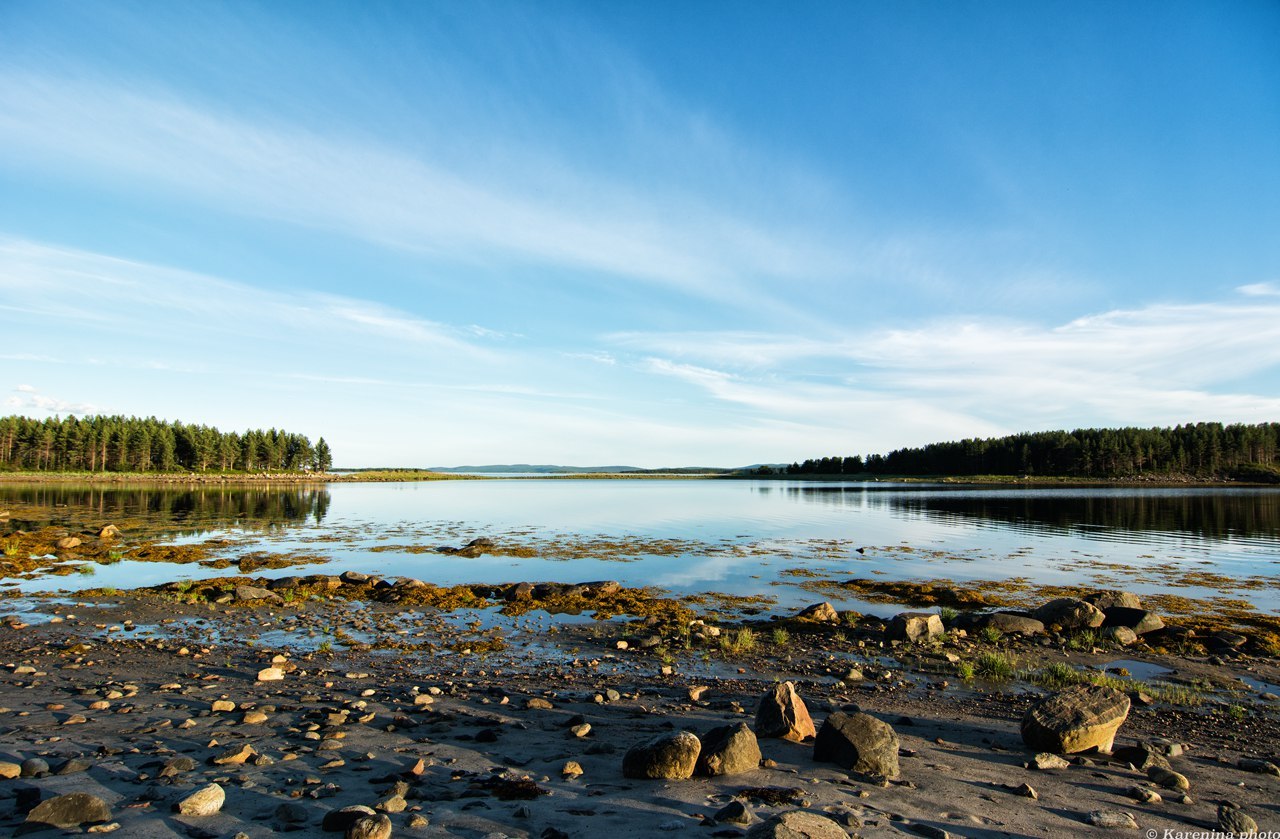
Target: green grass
[990, 635]
[1058, 675]
[965, 670]
[948, 614]
[996, 666]
[1083, 640]
[780, 637]
[11, 548]
[737, 642]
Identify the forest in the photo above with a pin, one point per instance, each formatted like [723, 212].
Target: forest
[132, 444]
[1202, 450]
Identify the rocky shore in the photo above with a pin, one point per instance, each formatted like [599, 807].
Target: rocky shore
[351, 706]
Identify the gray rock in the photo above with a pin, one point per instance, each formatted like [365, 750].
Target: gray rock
[337, 821]
[1047, 760]
[915, 627]
[1142, 757]
[1121, 635]
[858, 742]
[668, 756]
[1070, 613]
[1076, 719]
[203, 802]
[35, 767]
[729, 750]
[70, 810]
[1168, 779]
[370, 827]
[354, 578]
[1112, 819]
[291, 812]
[735, 812]
[1010, 623]
[246, 594]
[798, 824]
[782, 713]
[1262, 767]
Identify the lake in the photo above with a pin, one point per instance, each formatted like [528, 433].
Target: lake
[735, 537]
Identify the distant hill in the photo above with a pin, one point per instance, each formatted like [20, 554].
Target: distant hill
[551, 469]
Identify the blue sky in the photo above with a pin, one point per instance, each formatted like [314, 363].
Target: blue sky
[653, 233]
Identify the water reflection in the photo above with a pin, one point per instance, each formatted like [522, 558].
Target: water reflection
[1211, 514]
[182, 511]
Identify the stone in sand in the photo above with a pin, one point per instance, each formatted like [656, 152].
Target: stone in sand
[858, 742]
[668, 756]
[1142, 757]
[70, 810]
[1070, 613]
[1168, 779]
[798, 824]
[337, 821]
[1232, 820]
[1073, 720]
[729, 750]
[370, 827]
[234, 756]
[782, 713]
[735, 812]
[9, 770]
[203, 802]
[1112, 819]
[824, 612]
[916, 627]
[270, 674]
[248, 594]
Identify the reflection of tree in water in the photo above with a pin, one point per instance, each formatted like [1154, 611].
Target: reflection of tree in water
[185, 510]
[1211, 514]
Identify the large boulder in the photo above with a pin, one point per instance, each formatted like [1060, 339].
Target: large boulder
[798, 824]
[1010, 623]
[916, 627]
[667, 756]
[1140, 621]
[729, 750]
[858, 742]
[1069, 613]
[70, 810]
[248, 594]
[1105, 600]
[1076, 719]
[782, 713]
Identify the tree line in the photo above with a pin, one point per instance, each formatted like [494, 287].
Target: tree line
[133, 444]
[1205, 449]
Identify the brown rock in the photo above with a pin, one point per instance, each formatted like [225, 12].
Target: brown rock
[782, 713]
[824, 612]
[370, 827]
[70, 810]
[1073, 720]
[1070, 613]
[729, 750]
[667, 756]
[915, 627]
[798, 824]
[858, 742]
[203, 802]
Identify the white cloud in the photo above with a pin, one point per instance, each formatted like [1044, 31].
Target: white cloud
[33, 402]
[25, 389]
[1271, 289]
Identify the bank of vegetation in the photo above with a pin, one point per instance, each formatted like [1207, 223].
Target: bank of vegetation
[1206, 450]
[117, 444]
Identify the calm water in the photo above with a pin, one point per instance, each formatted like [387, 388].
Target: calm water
[695, 535]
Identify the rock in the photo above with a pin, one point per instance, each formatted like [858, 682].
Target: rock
[35, 767]
[66, 543]
[9, 770]
[176, 766]
[782, 713]
[1010, 623]
[1262, 767]
[291, 812]
[824, 612]
[729, 750]
[337, 821]
[370, 827]
[1073, 720]
[1046, 760]
[248, 594]
[571, 769]
[1105, 600]
[1234, 821]
[219, 706]
[1139, 620]
[353, 578]
[1070, 613]
[1145, 795]
[270, 674]
[70, 810]
[234, 756]
[538, 704]
[203, 802]
[1142, 757]
[1121, 635]
[110, 531]
[668, 756]
[1026, 791]
[254, 718]
[798, 824]
[735, 812]
[858, 742]
[915, 627]
[1168, 779]
[1112, 819]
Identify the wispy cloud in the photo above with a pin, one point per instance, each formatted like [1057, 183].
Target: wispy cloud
[29, 400]
[1271, 289]
[406, 200]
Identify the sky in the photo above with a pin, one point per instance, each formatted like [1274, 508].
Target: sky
[640, 232]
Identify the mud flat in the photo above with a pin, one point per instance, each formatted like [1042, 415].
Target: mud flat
[488, 711]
